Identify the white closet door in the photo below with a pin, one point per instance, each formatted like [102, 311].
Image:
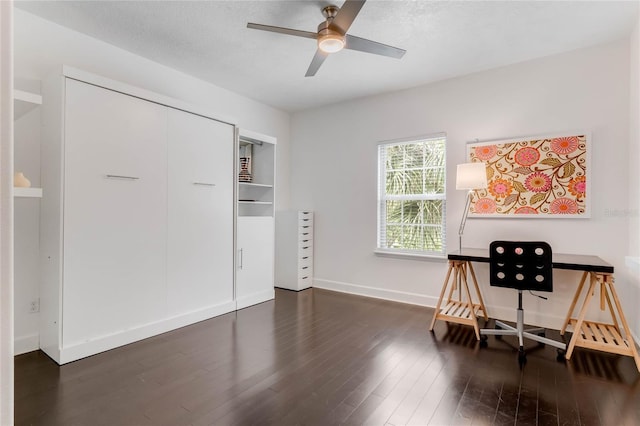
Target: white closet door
[114, 212]
[200, 240]
[254, 279]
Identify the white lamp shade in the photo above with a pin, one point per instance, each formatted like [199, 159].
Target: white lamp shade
[471, 176]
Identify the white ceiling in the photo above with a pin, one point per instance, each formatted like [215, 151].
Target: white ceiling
[443, 39]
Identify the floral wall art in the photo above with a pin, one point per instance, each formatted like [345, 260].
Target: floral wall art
[533, 177]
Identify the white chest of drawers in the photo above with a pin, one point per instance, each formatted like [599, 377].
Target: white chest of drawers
[294, 250]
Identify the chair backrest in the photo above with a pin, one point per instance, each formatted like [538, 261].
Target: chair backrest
[523, 265]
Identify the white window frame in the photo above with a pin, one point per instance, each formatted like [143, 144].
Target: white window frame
[383, 197]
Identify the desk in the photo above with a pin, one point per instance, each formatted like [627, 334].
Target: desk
[608, 337]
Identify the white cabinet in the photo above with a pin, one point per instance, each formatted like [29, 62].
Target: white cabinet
[200, 239]
[254, 274]
[137, 216]
[115, 199]
[255, 226]
[294, 260]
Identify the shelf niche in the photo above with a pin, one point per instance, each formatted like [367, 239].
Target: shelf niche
[23, 102]
[256, 198]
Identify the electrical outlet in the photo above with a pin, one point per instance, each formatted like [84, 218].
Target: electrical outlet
[34, 306]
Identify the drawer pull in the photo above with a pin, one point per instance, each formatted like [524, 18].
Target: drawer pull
[204, 184]
[122, 177]
[305, 267]
[306, 257]
[304, 241]
[304, 248]
[306, 226]
[304, 278]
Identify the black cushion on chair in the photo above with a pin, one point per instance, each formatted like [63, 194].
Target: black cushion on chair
[523, 265]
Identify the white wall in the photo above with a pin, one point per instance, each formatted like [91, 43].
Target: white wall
[41, 47]
[632, 296]
[334, 171]
[6, 214]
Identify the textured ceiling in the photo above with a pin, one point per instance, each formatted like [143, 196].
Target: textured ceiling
[443, 39]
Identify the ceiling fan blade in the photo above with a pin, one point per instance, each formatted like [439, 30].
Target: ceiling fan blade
[280, 30]
[317, 60]
[346, 15]
[368, 46]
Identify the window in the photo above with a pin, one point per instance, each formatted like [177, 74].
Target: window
[411, 196]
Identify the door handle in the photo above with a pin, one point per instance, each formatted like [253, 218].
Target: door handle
[122, 177]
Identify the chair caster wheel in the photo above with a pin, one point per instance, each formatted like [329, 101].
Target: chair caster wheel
[484, 341]
[522, 357]
[560, 357]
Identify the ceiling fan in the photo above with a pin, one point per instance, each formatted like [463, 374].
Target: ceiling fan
[332, 35]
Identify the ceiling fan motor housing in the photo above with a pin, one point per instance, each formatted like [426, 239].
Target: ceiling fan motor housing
[329, 40]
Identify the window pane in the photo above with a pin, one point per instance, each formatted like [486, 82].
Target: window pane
[434, 181]
[411, 212]
[434, 154]
[414, 156]
[394, 211]
[395, 157]
[432, 238]
[412, 238]
[394, 237]
[413, 182]
[432, 212]
[395, 182]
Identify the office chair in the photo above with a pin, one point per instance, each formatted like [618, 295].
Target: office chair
[521, 266]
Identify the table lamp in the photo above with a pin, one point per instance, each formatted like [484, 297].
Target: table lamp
[470, 176]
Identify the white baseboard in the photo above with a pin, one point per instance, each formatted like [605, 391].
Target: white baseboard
[104, 343]
[24, 344]
[378, 293]
[255, 298]
[506, 313]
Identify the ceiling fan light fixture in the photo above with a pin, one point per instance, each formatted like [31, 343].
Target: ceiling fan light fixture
[331, 43]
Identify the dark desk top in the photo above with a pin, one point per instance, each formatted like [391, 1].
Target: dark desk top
[575, 262]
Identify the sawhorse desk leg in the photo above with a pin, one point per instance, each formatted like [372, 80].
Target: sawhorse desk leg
[596, 335]
[460, 309]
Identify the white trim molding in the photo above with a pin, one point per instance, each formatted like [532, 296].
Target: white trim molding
[28, 343]
[377, 293]
[506, 313]
[112, 341]
[6, 213]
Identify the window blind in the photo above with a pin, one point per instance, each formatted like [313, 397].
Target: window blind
[411, 195]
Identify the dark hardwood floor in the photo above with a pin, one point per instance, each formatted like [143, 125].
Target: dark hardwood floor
[319, 357]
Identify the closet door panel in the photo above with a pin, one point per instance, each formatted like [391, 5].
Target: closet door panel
[114, 212]
[255, 265]
[200, 213]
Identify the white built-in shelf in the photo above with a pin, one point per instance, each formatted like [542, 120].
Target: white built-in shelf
[27, 192]
[255, 202]
[255, 185]
[23, 102]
